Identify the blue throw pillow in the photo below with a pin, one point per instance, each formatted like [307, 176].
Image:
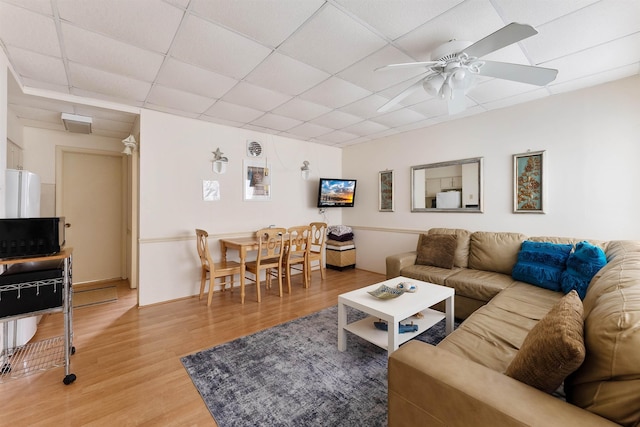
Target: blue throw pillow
[541, 264]
[583, 263]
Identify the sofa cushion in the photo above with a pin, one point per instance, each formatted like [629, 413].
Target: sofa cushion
[583, 263]
[497, 252]
[428, 273]
[477, 284]
[437, 250]
[492, 335]
[541, 264]
[461, 258]
[608, 382]
[554, 348]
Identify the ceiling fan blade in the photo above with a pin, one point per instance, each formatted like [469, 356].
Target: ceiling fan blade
[457, 103]
[402, 95]
[424, 64]
[518, 73]
[505, 36]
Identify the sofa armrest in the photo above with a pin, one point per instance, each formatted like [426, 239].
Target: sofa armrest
[429, 386]
[395, 263]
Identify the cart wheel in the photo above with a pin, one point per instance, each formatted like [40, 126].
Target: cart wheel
[6, 368]
[69, 379]
[73, 350]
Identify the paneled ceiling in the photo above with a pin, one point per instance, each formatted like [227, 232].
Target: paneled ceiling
[298, 68]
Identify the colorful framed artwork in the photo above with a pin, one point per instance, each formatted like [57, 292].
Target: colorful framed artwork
[529, 182]
[385, 191]
[256, 180]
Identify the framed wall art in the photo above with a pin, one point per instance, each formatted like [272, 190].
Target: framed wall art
[385, 191]
[256, 180]
[529, 182]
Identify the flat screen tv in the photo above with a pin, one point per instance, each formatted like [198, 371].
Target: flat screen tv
[336, 193]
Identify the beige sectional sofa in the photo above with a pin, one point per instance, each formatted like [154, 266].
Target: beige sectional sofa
[462, 381]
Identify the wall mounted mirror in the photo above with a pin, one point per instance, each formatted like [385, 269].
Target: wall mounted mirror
[454, 186]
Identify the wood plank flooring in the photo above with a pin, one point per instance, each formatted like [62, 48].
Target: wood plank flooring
[127, 358]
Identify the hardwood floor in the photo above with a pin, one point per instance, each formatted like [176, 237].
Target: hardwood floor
[127, 359]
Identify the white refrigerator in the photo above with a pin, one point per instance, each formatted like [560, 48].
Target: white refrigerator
[448, 200]
[22, 200]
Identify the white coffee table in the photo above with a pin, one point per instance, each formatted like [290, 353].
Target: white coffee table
[394, 310]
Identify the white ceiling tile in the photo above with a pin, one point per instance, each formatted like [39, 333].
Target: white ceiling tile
[300, 109]
[418, 95]
[106, 115]
[470, 21]
[255, 97]
[29, 64]
[365, 128]
[179, 100]
[364, 72]
[338, 136]
[596, 79]
[126, 20]
[40, 114]
[189, 78]
[100, 123]
[269, 21]
[584, 29]
[395, 18]
[309, 130]
[398, 118]
[40, 6]
[274, 121]
[111, 85]
[335, 93]
[179, 3]
[169, 110]
[337, 120]
[217, 49]
[221, 121]
[338, 41]
[28, 30]
[287, 75]
[105, 97]
[233, 112]
[617, 53]
[368, 107]
[109, 55]
[540, 11]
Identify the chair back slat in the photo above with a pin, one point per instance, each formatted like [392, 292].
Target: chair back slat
[270, 243]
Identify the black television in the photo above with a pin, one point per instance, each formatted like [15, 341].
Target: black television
[336, 193]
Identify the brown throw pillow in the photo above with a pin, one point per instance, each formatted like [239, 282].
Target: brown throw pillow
[554, 347]
[437, 250]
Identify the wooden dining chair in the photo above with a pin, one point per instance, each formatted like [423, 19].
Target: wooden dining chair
[318, 243]
[269, 258]
[224, 270]
[297, 253]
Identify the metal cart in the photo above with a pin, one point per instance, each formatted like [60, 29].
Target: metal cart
[33, 287]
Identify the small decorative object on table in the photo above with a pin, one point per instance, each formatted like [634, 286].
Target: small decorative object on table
[407, 287]
[401, 328]
[385, 292]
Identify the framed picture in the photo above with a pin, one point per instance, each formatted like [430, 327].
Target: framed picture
[529, 182]
[385, 191]
[256, 180]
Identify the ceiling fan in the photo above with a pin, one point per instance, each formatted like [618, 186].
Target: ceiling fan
[452, 73]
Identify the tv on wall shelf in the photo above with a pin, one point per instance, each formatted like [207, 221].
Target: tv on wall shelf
[336, 193]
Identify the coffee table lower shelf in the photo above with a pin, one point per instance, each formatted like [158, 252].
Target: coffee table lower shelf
[364, 328]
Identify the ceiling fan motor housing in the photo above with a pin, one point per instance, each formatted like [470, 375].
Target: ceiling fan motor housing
[450, 50]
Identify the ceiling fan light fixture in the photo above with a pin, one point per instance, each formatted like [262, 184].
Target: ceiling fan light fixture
[433, 85]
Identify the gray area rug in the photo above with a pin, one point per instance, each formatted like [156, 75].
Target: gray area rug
[294, 375]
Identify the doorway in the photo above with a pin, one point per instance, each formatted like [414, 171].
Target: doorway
[89, 195]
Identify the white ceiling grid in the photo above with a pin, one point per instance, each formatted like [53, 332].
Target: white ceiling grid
[298, 68]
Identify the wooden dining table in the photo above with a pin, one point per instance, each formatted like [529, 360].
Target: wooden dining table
[242, 245]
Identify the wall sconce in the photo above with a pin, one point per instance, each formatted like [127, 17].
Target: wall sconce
[305, 170]
[219, 162]
[129, 145]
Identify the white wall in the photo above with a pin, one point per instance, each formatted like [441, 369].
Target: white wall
[591, 141]
[3, 127]
[175, 157]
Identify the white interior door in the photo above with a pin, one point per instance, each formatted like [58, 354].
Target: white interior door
[91, 202]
